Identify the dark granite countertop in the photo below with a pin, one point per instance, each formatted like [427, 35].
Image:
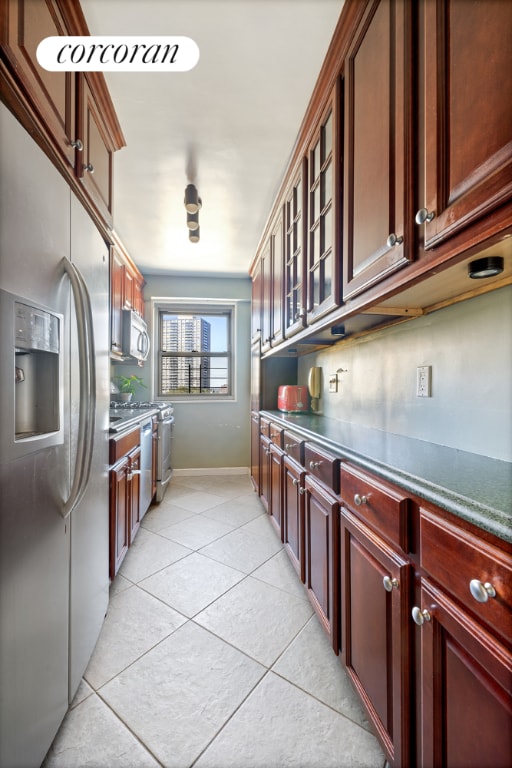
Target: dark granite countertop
[473, 487]
[125, 418]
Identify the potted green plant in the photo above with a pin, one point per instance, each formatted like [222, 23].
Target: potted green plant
[127, 386]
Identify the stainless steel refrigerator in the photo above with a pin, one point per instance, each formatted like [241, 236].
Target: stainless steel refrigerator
[54, 395]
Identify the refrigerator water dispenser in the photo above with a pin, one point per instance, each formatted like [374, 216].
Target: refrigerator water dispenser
[36, 371]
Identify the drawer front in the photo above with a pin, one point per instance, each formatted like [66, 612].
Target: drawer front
[456, 559]
[276, 435]
[265, 427]
[293, 446]
[123, 443]
[322, 465]
[380, 505]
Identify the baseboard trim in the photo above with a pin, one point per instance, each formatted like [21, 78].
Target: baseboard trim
[211, 471]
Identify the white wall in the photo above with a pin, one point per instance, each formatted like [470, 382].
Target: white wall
[210, 434]
[468, 345]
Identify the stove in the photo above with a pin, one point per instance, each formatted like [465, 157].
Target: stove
[164, 409]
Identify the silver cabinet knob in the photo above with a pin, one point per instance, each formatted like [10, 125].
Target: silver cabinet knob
[394, 240]
[420, 616]
[358, 500]
[295, 481]
[89, 167]
[289, 446]
[77, 145]
[302, 491]
[481, 592]
[389, 583]
[424, 215]
[314, 464]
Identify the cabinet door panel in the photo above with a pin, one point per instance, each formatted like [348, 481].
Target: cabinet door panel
[321, 548]
[52, 93]
[468, 161]
[378, 147]
[466, 703]
[119, 516]
[293, 514]
[275, 511]
[375, 633]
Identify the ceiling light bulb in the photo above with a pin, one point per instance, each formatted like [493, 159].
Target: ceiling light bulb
[192, 200]
[193, 220]
[193, 235]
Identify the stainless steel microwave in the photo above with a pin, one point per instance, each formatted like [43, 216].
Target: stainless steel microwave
[135, 336]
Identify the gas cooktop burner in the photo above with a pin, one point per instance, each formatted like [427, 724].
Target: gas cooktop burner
[136, 405]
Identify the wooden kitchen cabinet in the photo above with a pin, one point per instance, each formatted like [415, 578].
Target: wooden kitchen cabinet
[265, 471]
[271, 275]
[24, 23]
[464, 633]
[70, 114]
[466, 114]
[378, 205]
[321, 549]
[275, 500]
[295, 254]
[293, 514]
[95, 162]
[126, 292]
[323, 247]
[124, 479]
[375, 647]
[466, 674]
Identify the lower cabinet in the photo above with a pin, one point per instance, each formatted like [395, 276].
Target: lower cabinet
[375, 632]
[275, 501]
[465, 684]
[417, 603]
[321, 554]
[293, 514]
[124, 477]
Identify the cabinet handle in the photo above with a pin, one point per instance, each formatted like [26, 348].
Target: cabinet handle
[295, 481]
[394, 240]
[481, 592]
[289, 446]
[77, 145]
[389, 583]
[424, 215]
[89, 167]
[267, 451]
[302, 491]
[300, 313]
[314, 464]
[420, 616]
[358, 499]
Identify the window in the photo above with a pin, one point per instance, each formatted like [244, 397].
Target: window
[194, 350]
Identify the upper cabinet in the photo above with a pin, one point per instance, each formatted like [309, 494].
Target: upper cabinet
[53, 94]
[295, 253]
[323, 273]
[69, 113]
[467, 114]
[378, 206]
[271, 266]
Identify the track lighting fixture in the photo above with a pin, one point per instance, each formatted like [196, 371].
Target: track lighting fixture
[193, 235]
[193, 221]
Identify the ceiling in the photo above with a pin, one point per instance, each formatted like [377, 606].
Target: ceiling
[228, 126]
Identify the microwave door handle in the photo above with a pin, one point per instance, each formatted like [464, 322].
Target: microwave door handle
[143, 344]
[87, 381]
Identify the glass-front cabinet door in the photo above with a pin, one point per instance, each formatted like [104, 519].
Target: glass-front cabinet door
[323, 238]
[294, 254]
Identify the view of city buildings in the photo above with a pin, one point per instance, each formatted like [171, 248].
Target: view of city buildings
[185, 333]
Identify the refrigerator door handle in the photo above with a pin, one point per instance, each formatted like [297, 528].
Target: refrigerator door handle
[87, 381]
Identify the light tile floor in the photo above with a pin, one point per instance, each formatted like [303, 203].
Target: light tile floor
[211, 655]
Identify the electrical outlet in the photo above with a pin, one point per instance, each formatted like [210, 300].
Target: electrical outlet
[333, 382]
[424, 381]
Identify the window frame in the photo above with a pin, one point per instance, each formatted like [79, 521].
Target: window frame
[199, 308]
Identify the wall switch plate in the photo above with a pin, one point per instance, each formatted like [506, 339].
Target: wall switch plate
[424, 381]
[333, 382]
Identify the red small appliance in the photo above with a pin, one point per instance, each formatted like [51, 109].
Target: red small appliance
[292, 398]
